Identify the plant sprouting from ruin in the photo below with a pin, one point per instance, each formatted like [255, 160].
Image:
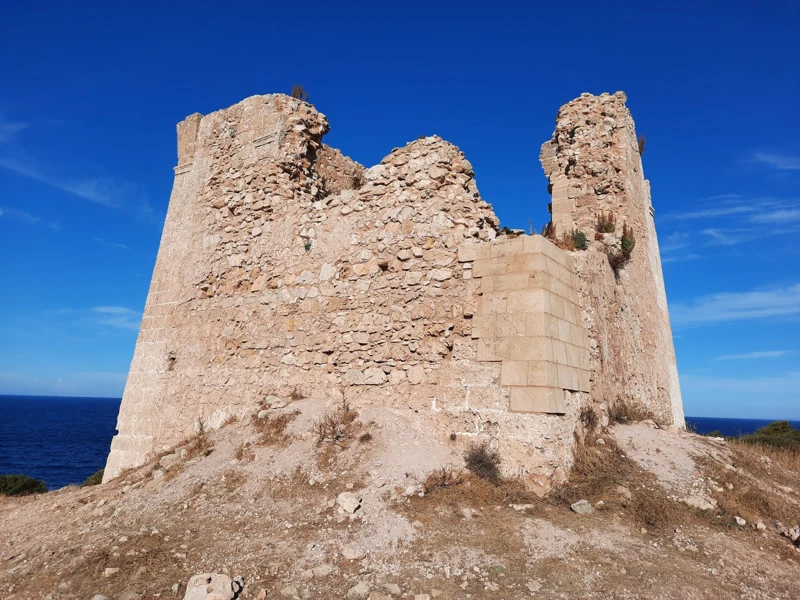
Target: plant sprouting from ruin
[299, 92]
[641, 140]
[618, 258]
[605, 222]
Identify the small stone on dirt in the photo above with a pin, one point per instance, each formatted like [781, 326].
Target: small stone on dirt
[349, 502]
[582, 507]
[360, 590]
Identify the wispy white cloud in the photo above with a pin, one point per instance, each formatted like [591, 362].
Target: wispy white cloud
[675, 241]
[113, 192]
[722, 307]
[118, 317]
[112, 244]
[781, 162]
[755, 355]
[9, 129]
[16, 214]
[777, 216]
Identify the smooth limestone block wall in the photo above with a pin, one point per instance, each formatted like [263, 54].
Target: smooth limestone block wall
[529, 320]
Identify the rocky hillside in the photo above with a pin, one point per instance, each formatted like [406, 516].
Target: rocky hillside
[313, 499]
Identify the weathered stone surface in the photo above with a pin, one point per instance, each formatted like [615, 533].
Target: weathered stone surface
[284, 264]
[209, 586]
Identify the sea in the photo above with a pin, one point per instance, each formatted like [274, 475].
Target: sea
[63, 440]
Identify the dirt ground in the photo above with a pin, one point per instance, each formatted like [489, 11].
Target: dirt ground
[258, 499]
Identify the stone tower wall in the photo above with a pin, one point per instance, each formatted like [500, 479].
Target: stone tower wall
[593, 165]
[286, 267]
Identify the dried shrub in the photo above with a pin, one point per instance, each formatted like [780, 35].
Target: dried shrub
[365, 437]
[299, 92]
[335, 427]
[297, 394]
[483, 462]
[621, 411]
[605, 222]
[589, 418]
[640, 143]
[441, 478]
[21, 485]
[95, 478]
[273, 428]
[200, 444]
[232, 480]
[357, 180]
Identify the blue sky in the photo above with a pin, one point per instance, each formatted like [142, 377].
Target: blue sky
[90, 94]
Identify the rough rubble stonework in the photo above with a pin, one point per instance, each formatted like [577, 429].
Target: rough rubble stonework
[285, 267]
[593, 165]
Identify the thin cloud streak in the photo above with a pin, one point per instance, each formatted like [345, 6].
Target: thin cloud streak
[755, 355]
[113, 244]
[118, 317]
[10, 129]
[781, 162]
[25, 217]
[724, 307]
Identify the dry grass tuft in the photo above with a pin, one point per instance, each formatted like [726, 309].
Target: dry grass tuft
[483, 462]
[598, 472]
[605, 223]
[272, 429]
[621, 411]
[297, 394]
[749, 489]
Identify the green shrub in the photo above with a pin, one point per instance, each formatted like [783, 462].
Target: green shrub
[779, 434]
[94, 479]
[21, 485]
[579, 239]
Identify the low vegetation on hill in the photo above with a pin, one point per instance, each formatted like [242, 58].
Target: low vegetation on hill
[21, 485]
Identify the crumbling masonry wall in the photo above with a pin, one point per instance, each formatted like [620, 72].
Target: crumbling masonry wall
[593, 165]
[285, 266]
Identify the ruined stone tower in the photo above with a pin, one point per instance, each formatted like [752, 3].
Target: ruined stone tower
[286, 268]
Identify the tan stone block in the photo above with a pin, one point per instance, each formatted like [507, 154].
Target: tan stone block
[464, 349]
[526, 348]
[559, 352]
[510, 325]
[494, 303]
[580, 336]
[567, 377]
[488, 350]
[559, 255]
[527, 263]
[511, 281]
[564, 331]
[483, 325]
[537, 400]
[472, 252]
[542, 373]
[489, 266]
[574, 356]
[506, 246]
[461, 373]
[572, 313]
[583, 381]
[514, 372]
[535, 324]
[526, 301]
[533, 244]
[556, 305]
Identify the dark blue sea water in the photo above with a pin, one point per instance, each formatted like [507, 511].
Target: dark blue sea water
[55, 439]
[64, 440]
[704, 425]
